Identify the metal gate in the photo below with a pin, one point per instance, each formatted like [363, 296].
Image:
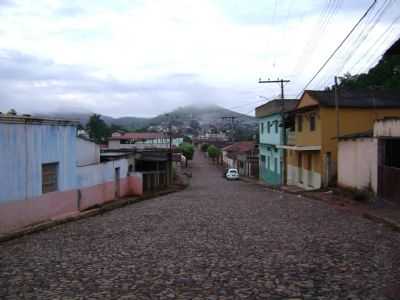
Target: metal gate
[389, 169]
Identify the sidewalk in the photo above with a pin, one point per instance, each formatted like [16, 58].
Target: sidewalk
[386, 213]
[90, 212]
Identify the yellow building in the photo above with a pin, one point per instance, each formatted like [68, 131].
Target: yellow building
[311, 154]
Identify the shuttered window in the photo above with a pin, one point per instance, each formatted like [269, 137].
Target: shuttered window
[49, 177]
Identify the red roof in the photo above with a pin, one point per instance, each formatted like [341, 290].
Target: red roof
[139, 136]
[240, 147]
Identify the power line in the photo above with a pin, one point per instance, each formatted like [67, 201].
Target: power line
[369, 55]
[364, 33]
[340, 45]
[313, 42]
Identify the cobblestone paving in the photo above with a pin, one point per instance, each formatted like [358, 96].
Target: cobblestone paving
[215, 240]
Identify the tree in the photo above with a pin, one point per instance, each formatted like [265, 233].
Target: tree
[115, 127]
[12, 112]
[98, 129]
[187, 151]
[187, 139]
[213, 152]
[204, 147]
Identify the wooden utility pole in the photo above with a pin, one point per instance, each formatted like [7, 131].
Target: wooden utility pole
[337, 109]
[170, 151]
[232, 118]
[283, 160]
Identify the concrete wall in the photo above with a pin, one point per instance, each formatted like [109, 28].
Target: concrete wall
[358, 163]
[95, 185]
[302, 175]
[87, 152]
[23, 150]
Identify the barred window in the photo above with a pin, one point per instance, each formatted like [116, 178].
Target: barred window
[49, 177]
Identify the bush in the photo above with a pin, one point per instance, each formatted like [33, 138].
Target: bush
[187, 150]
[213, 152]
[204, 147]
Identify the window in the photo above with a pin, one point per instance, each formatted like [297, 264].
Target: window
[262, 127]
[276, 126]
[49, 177]
[312, 122]
[276, 164]
[268, 127]
[299, 123]
[263, 158]
[269, 163]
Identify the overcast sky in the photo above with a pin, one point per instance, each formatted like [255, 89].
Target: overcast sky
[145, 57]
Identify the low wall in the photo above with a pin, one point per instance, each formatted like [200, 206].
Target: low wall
[96, 185]
[358, 164]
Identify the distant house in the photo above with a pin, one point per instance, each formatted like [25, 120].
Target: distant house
[270, 118]
[141, 140]
[242, 156]
[312, 155]
[370, 160]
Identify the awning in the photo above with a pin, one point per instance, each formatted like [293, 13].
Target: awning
[299, 148]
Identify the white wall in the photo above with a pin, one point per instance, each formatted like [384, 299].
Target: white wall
[87, 152]
[311, 180]
[92, 175]
[358, 163]
[387, 128]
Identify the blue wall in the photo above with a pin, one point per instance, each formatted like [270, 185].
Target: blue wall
[269, 139]
[274, 136]
[23, 150]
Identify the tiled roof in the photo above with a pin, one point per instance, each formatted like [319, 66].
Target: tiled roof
[359, 99]
[240, 147]
[275, 106]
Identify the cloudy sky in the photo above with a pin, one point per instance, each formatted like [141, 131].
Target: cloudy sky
[145, 57]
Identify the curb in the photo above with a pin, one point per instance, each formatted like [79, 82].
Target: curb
[387, 222]
[89, 212]
[372, 217]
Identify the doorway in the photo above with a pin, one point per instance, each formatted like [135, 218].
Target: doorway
[300, 166]
[117, 182]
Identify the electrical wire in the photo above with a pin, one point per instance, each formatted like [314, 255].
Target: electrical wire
[339, 47]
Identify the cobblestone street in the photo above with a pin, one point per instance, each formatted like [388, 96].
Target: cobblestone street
[214, 240]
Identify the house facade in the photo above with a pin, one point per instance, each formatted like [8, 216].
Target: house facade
[242, 156]
[271, 158]
[312, 156]
[142, 140]
[370, 161]
[46, 171]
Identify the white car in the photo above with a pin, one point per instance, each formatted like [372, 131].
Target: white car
[232, 174]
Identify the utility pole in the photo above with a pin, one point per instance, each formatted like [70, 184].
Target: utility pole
[170, 150]
[232, 119]
[283, 159]
[337, 108]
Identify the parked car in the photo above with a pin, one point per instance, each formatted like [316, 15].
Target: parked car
[232, 174]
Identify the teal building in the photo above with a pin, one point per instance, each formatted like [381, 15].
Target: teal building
[271, 158]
